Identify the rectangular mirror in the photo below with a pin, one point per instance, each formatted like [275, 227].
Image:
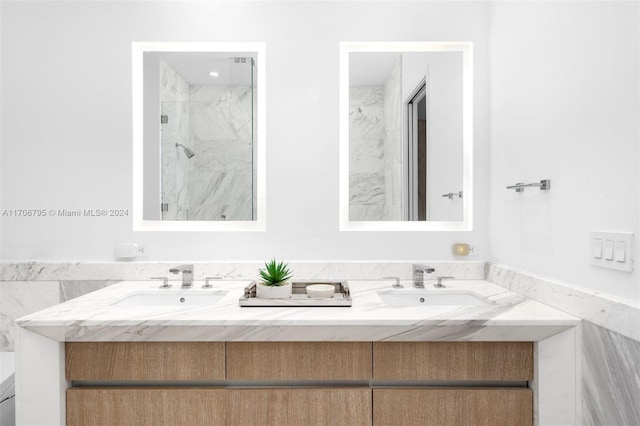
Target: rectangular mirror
[198, 136]
[406, 133]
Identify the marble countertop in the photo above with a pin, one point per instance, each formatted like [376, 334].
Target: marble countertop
[92, 317]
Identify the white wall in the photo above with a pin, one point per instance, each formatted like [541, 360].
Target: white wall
[565, 107]
[66, 114]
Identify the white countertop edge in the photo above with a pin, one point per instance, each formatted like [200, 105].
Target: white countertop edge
[91, 317]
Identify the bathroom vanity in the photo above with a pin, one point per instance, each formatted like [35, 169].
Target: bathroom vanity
[384, 360]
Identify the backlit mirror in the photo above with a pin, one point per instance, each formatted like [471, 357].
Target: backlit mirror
[198, 136]
[406, 136]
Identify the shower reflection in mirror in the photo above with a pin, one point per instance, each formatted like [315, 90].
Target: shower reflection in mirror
[405, 136]
[207, 108]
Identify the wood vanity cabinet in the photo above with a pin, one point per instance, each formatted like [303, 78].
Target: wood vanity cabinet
[453, 407]
[144, 361]
[298, 361]
[300, 406]
[510, 363]
[300, 383]
[479, 361]
[146, 406]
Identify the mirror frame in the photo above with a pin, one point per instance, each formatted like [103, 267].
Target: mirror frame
[466, 224]
[137, 60]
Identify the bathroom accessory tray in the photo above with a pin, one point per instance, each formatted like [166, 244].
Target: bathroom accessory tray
[341, 296]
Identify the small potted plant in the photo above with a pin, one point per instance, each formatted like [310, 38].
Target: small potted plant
[274, 282]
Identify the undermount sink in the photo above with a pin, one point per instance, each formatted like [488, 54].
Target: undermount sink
[171, 298]
[430, 298]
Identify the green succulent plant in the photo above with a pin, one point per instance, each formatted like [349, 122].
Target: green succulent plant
[274, 273]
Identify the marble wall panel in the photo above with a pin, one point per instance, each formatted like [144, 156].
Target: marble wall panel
[610, 384]
[393, 144]
[614, 314]
[366, 153]
[225, 195]
[366, 196]
[72, 289]
[610, 377]
[221, 112]
[172, 86]
[221, 132]
[254, 142]
[20, 298]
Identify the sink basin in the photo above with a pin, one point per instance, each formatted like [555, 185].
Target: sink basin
[171, 298]
[430, 298]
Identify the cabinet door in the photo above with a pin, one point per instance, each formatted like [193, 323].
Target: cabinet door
[153, 407]
[453, 407]
[121, 361]
[497, 361]
[298, 360]
[309, 407]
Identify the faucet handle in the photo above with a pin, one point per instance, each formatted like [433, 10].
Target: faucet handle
[396, 284]
[439, 283]
[165, 281]
[206, 281]
[421, 267]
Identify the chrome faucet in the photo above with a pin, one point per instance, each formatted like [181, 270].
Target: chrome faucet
[418, 274]
[187, 274]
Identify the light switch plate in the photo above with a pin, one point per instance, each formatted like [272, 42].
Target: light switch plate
[612, 250]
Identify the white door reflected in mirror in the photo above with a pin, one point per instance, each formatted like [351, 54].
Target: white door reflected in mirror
[406, 136]
[199, 136]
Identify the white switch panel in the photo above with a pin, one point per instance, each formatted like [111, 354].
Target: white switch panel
[612, 250]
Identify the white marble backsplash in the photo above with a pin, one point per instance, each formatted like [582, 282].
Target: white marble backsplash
[118, 271]
[617, 315]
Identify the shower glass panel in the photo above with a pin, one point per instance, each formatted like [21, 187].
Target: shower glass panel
[207, 132]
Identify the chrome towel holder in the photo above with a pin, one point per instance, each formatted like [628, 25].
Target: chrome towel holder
[450, 195]
[544, 185]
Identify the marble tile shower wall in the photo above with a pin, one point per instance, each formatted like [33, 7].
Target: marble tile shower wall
[174, 100]
[366, 153]
[221, 134]
[216, 123]
[393, 143]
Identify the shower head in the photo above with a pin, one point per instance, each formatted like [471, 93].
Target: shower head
[186, 150]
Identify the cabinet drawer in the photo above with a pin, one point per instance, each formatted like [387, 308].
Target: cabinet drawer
[453, 407]
[109, 361]
[298, 360]
[129, 406]
[499, 361]
[324, 406]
